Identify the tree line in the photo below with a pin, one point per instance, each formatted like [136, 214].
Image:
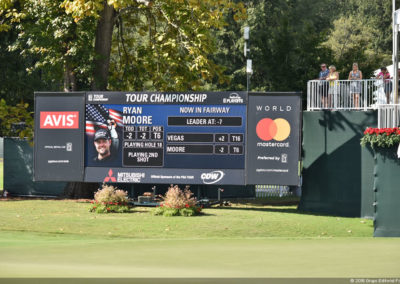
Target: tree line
[181, 45]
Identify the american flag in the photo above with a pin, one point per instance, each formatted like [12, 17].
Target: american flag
[97, 116]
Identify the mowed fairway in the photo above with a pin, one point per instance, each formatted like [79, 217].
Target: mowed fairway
[62, 239]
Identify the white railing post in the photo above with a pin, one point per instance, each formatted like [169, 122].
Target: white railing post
[380, 111]
[365, 93]
[388, 115]
[309, 95]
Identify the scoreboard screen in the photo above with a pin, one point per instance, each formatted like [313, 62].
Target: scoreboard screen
[167, 137]
[173, 136]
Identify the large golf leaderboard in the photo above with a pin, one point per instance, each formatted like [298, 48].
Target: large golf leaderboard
[152, 137]
[170, 136]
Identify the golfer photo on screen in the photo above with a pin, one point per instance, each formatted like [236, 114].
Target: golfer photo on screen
[106, 143]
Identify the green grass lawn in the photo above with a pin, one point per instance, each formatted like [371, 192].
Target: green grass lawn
[40, 238]
[242, 221]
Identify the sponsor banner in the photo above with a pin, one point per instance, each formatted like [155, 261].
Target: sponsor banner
[59, 119]
[175, 176]
[59, 137]
[166, 98]
[273, 138]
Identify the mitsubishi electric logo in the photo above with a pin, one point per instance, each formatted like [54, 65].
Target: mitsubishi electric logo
[110, 177]
[212, 177]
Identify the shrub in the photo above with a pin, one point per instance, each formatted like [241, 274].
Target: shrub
[178, 203]
[187, 212]
[11, 118]
[169, 212]
[381, 137]
[110, 200]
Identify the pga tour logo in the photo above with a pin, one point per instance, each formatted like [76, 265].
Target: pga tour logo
[59, 119]
[97, 98]
[212, 177]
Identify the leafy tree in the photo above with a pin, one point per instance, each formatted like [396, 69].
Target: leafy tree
[230, 55]
[16, 120]
[16, 83]
[285, 43]
[59, 44]
[163, 45]
[362, 33]
[18, 79]
[289, 39]
[159, 45]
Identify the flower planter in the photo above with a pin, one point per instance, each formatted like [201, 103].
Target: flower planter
[387, 193]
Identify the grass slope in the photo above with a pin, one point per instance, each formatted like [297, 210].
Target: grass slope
[66, 217]
[61, 239]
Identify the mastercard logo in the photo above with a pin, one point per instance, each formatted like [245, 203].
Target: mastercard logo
[277, 129]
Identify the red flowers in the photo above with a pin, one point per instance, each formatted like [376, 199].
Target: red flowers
[381, 137]
[377, 131]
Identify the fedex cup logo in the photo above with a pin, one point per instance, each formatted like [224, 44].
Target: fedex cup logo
[277, 129]
[59, 119]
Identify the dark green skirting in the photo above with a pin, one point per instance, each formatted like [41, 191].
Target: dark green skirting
[337, 172]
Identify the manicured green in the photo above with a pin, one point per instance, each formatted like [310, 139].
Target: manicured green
[41, 238]
[53, 255]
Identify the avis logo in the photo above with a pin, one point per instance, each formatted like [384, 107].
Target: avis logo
[59, 119]
[110, 177]
[212, 177]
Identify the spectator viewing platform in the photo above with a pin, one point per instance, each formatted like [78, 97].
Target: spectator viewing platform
[368, 94]
[349, 94]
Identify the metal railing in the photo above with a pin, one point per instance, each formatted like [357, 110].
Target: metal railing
[272, 191]
[388, 116]
[348, 94]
